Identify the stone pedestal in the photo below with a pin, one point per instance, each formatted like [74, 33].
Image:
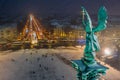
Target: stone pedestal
[88, 72]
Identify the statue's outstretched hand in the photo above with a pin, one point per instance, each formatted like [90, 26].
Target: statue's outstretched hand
[86, 21]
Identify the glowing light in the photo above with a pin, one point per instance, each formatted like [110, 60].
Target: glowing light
[107, 51]
[32, 30]
[34, 42]
[31, 17]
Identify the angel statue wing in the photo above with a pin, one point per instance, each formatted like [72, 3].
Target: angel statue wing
[86, 20]
[102, 19]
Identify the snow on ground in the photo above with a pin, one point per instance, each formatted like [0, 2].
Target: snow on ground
[33, 65]
[43, 64]
[70, 53]
[112, 74]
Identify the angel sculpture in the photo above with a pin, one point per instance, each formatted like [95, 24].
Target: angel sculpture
[92, 44]
[87, 67]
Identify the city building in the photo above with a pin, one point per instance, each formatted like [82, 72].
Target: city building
[8, 32]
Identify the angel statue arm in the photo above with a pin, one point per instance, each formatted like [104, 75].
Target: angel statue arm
[86, 21]
[102, 20]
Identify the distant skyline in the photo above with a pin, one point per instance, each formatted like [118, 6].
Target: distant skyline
[62, 7]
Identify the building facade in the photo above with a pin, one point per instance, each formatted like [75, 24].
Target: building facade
[8, 32]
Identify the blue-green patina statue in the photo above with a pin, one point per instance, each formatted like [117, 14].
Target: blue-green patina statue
[87, 67]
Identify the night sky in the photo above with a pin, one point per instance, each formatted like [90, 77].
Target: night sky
[48, 7]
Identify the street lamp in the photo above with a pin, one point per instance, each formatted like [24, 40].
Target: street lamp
[107, 51]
